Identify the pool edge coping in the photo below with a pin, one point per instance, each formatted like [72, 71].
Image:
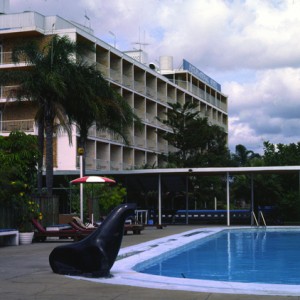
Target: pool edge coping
[124, 274]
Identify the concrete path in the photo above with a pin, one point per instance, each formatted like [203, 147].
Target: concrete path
[25, 274]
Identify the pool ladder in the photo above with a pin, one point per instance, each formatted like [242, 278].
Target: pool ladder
[261, 215]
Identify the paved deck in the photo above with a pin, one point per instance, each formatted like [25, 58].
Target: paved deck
[25, 274]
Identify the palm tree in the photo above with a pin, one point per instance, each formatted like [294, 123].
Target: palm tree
[243, 156]
[58, 81]
[43, 82]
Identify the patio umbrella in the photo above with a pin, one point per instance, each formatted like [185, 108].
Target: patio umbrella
[91, 179]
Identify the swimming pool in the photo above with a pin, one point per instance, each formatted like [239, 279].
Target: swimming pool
[261, 256]
[147, 254]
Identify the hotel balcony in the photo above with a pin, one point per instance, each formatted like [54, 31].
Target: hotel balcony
[8, 92]
[6, 60]
[17, 125]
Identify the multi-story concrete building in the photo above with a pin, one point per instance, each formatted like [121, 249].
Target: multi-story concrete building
[146, 87]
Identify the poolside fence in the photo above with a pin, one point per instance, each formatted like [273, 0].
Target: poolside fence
[49, 206]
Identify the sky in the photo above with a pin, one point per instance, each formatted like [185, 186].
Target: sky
[250, 47]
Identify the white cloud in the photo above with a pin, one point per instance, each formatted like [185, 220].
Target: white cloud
[251, 47]
[267, 109]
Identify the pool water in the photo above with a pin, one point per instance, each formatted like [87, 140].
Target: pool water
[260, 256]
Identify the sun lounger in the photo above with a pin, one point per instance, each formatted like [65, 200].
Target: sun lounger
[41, 233]
[75, 226]
[135, 228]
[81, 225]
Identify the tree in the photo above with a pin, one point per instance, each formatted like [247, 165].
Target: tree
[281, 155]
[104, 198]
[18, 157]
[42, 82]
[243, 157]
[58, 81]
[197, 143]
[216, 153]
[287, 187]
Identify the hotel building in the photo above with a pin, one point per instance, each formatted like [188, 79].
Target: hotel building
[146, 87]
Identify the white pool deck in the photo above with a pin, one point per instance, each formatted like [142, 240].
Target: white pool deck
[124, 274]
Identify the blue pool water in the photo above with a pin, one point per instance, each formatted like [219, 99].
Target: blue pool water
[260, 256]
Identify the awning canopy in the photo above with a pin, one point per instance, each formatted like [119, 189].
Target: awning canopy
[225, 171]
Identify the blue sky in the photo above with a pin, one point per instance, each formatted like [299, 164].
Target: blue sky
[251, 47]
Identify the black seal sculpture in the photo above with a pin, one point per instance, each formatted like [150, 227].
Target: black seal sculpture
[95, 255]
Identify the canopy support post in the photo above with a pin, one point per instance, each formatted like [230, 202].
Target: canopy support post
[159, 199]
[252, 200]
[228, 198]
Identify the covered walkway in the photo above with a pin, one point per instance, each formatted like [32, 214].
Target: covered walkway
[184, 173]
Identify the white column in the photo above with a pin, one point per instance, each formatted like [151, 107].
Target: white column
[81, 187]
[228, 199]
[159, 199]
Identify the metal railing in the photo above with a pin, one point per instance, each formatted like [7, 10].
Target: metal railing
[8, 91]
[261, 217]
[255, 219]
[17, 125]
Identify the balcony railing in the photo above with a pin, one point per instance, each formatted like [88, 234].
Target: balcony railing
[103, 69]
[162, 97]
[139, 87]
[97, 164]
[151, 144]
[139, 141]
[115, 166]
[115, 75]
[128, 166]
[151, 119]
[8, 91]
[127, 81]
[6, 59]
[162, 147]
[102, 164]
[150, 92]
[116, 137]
[162, 125]
[17, 125]
[106, 165]
[140, 113]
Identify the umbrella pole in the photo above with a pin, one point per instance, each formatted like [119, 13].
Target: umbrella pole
[81, 188]
[81, 201]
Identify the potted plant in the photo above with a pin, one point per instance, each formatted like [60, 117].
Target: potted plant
[30, 211]
[27, 210]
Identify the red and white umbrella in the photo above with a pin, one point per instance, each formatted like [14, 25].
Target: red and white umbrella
[90, 179]
[93, 179]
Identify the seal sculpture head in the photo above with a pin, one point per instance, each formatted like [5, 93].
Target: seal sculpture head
[95, 255]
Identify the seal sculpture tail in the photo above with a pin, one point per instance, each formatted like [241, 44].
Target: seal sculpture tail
[95, 255]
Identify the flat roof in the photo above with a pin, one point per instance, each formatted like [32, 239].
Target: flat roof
[191, 171]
